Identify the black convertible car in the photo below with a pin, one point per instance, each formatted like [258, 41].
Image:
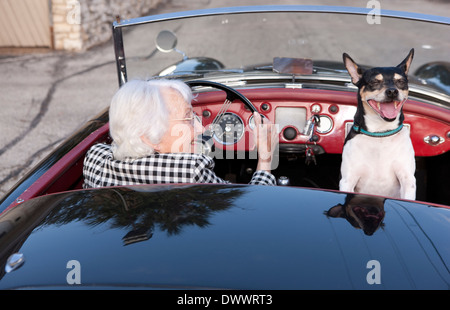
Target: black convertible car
[302, 234]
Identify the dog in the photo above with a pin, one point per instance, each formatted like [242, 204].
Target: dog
[378, 155]
[361, 211]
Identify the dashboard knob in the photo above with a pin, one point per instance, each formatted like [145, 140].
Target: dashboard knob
[289, 133]
[433, 140]
[333, 109]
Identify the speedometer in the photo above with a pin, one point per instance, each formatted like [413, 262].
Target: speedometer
[229, 129]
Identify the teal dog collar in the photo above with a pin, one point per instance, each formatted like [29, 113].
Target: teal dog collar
[382, 134]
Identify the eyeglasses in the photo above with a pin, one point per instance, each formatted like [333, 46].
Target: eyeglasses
[190, 119]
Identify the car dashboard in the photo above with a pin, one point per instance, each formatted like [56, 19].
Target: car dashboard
[293, 110]
[319, 119]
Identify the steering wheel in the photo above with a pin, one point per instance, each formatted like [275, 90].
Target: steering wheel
[206, 141]
[232, 94]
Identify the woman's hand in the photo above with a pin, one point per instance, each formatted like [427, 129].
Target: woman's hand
[266, 142]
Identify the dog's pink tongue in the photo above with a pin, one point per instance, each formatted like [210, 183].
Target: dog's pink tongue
[388, 110]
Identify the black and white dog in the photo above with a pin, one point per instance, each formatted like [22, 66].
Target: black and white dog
[378, 156]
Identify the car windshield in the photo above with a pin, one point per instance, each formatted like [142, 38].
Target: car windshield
[252, 40]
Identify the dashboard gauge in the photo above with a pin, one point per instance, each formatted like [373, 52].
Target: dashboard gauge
[325, 125]
[251, 121]
[229, 129]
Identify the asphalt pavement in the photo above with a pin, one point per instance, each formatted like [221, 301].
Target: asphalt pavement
[47, 95]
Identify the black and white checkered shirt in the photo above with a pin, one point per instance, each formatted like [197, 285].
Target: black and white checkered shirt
[101, 169]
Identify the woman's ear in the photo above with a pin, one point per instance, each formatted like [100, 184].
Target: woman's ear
[149, 143]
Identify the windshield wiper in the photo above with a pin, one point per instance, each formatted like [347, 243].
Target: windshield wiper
[316, 69]
[264, 68]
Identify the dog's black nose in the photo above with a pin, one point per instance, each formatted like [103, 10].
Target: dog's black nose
[392, 93]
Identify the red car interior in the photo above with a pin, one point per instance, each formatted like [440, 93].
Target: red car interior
[424, 120]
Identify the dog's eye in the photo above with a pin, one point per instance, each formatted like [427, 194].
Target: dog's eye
[400, 83]
[374, 83]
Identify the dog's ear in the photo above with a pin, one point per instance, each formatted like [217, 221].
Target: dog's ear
[336, 211]
[406, 63]
[353, 69]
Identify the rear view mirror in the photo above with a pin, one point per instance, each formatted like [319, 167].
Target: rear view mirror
[166, 41]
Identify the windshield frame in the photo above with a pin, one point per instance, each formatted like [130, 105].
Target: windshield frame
[118, 25]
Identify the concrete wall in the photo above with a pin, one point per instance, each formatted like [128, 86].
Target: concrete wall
[81, 24]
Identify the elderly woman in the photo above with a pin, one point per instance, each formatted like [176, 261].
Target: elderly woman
[153, 128]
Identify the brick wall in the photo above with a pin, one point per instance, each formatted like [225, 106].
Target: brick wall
[81, 24]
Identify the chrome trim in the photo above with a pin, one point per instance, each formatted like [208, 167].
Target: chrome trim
[119, 52]
[302, 80]
[14, 261]
[280, 9]
[433, 140]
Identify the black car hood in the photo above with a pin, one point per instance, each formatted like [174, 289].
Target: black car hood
[225, 236]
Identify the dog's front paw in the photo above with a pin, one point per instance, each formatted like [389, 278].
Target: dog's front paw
[346, 186]
[409, 194]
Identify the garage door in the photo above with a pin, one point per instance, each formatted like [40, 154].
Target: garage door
[24, 23]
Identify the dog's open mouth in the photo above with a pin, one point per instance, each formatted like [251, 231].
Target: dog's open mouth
[368, 214]
[387, 109]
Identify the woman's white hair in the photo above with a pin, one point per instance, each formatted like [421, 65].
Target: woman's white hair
[138, 108]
